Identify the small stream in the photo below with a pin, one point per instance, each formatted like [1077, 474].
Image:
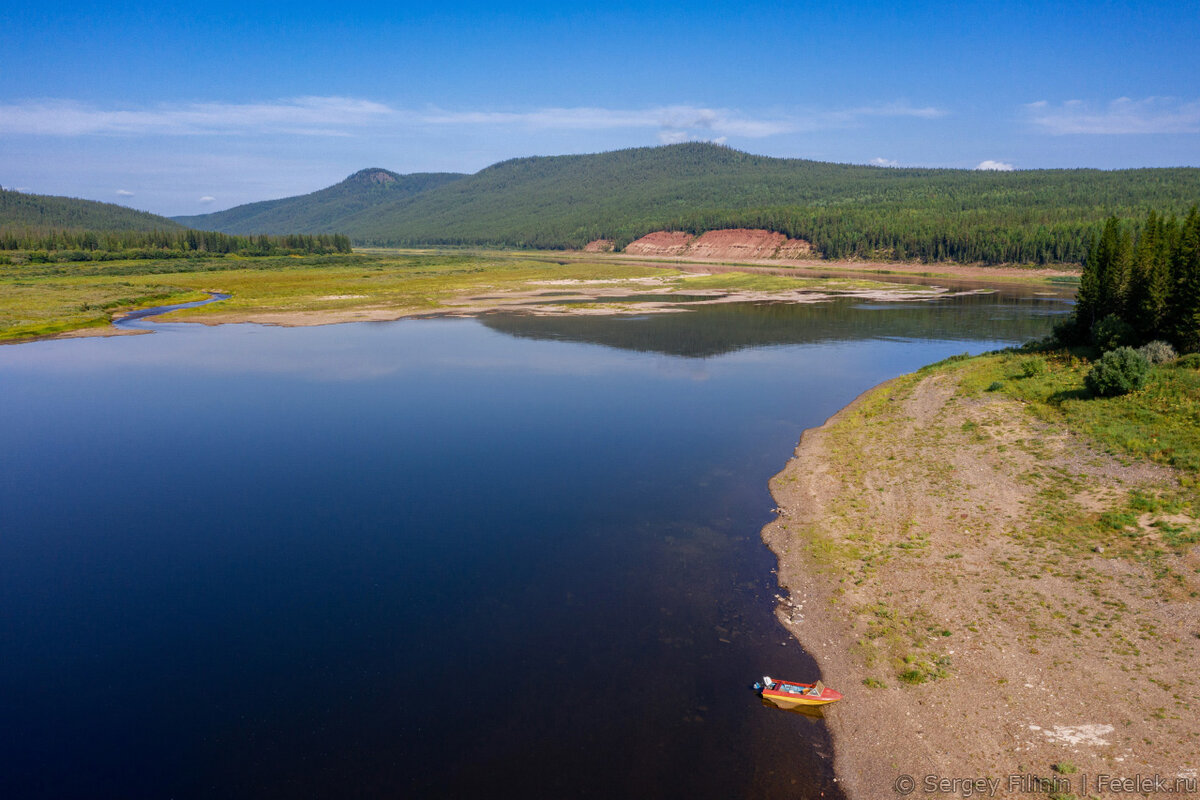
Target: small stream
[140, 318]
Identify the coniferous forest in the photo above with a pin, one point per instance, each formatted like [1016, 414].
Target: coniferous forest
[56, 244]
[1140, 285]
[1029, 217]
[845, 210]
[41, 228]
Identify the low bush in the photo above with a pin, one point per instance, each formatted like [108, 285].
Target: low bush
[1190, 361]
[1032, 367]
[1158, 352]
[1112, 332]
[1118, 372]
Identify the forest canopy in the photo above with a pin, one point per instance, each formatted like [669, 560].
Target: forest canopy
[844, 210]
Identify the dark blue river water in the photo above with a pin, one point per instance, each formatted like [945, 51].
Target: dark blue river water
[508, 557]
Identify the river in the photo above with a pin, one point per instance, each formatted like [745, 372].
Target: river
[494, 557]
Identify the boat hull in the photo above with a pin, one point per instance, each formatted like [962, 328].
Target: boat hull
[794, 702]
[786, 694]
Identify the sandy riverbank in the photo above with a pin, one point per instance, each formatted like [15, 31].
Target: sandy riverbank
[940, 269]
[672, 293]
[913, 540]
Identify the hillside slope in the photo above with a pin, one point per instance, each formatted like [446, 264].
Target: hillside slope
[844, 210]
[20, 211]
[323, 211]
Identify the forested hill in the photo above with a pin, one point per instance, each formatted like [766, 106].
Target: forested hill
[323, 211]
[1041, 216]
[37, 212]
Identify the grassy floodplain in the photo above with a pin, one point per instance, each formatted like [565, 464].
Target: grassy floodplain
[50, 299]
[45, 299]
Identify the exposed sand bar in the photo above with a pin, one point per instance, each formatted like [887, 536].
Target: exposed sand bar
[674, 292]
[884, 270]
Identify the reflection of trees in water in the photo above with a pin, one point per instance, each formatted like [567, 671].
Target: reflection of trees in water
[712, 330]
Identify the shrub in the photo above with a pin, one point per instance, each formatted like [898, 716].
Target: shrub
[1190, 361]
[1117, 372]
[1031, 367]
[995, 386]
[1158, 352]
[1067, 331]
[1112, 332]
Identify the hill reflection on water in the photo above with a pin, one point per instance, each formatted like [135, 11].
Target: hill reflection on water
[712, 330]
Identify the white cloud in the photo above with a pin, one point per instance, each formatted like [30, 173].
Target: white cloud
[900, 109]
[326, 116]
[1121, 116]
[340, 116]
[124, 193]
[995, 166]
[207, 199]
[674, 122]
[884, 162]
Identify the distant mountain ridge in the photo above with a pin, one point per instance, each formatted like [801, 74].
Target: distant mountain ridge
[19, 210]
[322, 211]
[844, 210]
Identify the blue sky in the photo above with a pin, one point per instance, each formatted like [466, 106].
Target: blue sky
[183, 109]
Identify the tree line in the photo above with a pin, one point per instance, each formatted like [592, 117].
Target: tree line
[846, 211]
[57, 244]
[1140, 284]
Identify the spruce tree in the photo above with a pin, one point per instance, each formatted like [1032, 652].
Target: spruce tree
[1115, 287]
[1087, 299]
[1185, 300]
[1150, 281]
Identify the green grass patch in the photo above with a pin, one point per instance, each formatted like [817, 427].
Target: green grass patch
[1159, 422]
[39, 299]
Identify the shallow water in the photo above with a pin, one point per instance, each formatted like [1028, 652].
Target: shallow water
[425, 558]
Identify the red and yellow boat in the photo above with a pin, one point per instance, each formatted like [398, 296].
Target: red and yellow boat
[787, 694]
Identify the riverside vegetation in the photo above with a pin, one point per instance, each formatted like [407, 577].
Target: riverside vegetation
[41, 299]
[48, 298]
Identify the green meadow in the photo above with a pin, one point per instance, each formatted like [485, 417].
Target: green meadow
[50, 298]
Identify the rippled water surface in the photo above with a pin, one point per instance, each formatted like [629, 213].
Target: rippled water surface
[502, 557]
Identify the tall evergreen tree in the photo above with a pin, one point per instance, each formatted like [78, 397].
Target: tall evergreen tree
[1148, 299]
[1116, 276]
[1087, 299]
[1104, 284]
[1185, 267]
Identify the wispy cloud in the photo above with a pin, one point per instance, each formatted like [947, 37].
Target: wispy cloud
[325, 116]
[208, 198]
[673, 121]
[884, 162]
[1121, 116]
[995, 166]
[124, 193]
[339, 116]
[899, 109]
